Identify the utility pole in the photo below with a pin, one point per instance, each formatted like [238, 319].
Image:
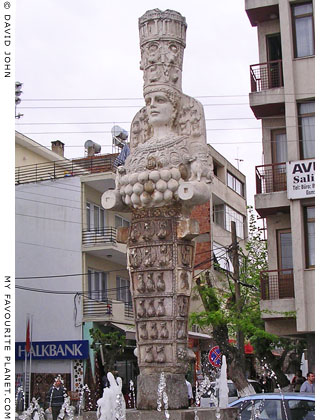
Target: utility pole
[235, 261]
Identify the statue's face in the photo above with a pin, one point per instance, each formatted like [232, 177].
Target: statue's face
[159, 109]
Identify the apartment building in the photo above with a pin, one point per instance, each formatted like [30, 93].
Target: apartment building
[72, 242]
[283, 98]
[71, 273]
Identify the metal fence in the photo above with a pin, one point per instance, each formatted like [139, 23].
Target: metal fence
[95, 308]
[277, 284]
[64, 168]
[271, 178]
[99, 236]
[129, 310]
[266, 75]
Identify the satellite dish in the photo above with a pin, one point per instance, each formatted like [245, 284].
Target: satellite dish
[92, 148]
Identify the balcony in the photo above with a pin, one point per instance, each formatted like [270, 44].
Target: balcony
[261, 10]
[271, 190]
[99, 236]
[266, 76]
[277, 284]
[107, 309]
[64, 168]
[93, 308]
[271, 178]
[267, 94]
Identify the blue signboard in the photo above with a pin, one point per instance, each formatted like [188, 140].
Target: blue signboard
[77, 349]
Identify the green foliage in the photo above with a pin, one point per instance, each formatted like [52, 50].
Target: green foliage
[113, 344]
[221, 303]
[227, 317]
[221, 300]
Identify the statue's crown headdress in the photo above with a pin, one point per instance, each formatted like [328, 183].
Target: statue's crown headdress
[162, 42]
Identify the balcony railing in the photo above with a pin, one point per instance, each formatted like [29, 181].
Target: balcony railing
[266, 76]
[97, 308]
[63, 168]
[129, 310]
[271, 178]
[99, 236]
[277, 284]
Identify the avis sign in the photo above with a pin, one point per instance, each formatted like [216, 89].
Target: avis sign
[300, 179]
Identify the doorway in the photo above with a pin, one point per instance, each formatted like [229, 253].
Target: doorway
[274, 60]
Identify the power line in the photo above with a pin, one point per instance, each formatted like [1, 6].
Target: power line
[141, 98]
[115, 106]
[66, 275]
[128, 122]
[107, 271]
[52, 204]
[47, 246]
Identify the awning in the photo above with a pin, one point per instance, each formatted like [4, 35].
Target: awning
[128, 329]
[201, 336]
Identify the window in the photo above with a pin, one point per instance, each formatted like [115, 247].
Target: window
[306, 112]
[97, 285]
[123, 290]
[235, 184]
[279, 146]
[88, 216]
[221, 257]
[302, 409]
[263, 410]
[223, 215]
[284, 249]
[303, 27]
[310, 236]
[120, 221]
[95, 218]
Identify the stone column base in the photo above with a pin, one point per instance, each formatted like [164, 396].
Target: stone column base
[203, 414]
[147, 391]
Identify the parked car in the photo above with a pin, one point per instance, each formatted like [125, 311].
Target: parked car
[206, 400]
[277, 406]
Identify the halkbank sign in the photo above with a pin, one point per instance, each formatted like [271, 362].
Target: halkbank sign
[300, 179]
[54, 350]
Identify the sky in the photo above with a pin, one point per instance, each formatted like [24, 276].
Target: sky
[79, 64]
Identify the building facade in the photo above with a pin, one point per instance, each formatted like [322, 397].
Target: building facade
[283, 98]
[67, 243]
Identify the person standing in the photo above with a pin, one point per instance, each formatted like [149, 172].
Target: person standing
[190, 393]
[297, 381]
[55, 397]
[309, 384]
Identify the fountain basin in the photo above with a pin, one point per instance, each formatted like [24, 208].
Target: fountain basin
[188, 414]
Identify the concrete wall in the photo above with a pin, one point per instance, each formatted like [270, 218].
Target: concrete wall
[48, 243]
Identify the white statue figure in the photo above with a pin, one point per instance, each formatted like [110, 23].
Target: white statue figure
[112, 404]
[169, 160]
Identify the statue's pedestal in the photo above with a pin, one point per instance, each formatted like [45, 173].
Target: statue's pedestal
[176, 390]
[189, 414]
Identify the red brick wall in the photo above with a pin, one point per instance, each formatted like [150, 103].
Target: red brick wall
[203, 249]
[202, 214]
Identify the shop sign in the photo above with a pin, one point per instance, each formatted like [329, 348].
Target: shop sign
[300, 179]
[40, 350]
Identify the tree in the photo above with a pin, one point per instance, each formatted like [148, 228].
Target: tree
[228, 312]
[110, 345]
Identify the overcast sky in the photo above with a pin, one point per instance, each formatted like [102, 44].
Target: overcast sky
[87, 54]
